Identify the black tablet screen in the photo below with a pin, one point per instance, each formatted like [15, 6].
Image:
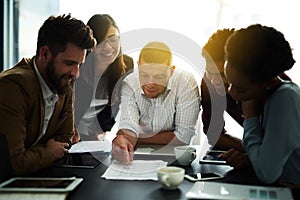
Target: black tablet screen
[83, 160]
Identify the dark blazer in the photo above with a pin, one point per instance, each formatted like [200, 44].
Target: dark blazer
[84, 87]
[22, 115]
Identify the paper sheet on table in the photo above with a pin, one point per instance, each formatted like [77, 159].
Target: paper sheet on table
[91, 146]
[33, 196]
[137, 170]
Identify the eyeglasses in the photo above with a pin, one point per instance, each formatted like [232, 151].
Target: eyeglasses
[112, 41]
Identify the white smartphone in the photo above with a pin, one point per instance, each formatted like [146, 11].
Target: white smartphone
[212, 157]
[203, 176]
[33, 184]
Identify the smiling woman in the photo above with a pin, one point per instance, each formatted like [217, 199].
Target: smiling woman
[103, 68]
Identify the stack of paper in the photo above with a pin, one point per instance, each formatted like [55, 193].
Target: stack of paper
[213, 190]
[136, 170]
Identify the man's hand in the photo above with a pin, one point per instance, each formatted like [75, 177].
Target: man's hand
[236, 159]
[58, 149]
[76, 136]
[123, 146]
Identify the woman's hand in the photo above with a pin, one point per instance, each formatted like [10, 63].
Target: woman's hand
[252, 108]
[236, 159]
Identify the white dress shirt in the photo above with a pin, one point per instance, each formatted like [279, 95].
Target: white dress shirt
[50, 99]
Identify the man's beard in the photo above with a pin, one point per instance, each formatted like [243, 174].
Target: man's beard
[54, 79]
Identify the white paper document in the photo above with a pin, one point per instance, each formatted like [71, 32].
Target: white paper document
[164, 150]
[136, 170]
[91, 146]
[143, 151]
[213, 190]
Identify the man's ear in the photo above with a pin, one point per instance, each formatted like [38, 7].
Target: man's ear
[45, 53]
[172, 69]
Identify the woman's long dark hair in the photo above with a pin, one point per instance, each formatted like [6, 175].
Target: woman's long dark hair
[100, 25]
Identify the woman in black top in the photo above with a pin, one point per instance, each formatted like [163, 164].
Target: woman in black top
[99, 75]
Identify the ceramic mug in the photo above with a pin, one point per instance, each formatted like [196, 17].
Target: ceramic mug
[185, 155]
[170, 177]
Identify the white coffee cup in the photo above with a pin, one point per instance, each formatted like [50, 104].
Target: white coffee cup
[185, 155]
[170, 177]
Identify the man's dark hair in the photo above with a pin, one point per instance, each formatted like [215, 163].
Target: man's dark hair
[214, 48]
[57, 32]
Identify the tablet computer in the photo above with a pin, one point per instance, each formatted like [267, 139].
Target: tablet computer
[212, 157]
[34, 184]
[82, 160]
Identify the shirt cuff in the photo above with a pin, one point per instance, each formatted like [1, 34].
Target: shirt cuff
[130, 128]
[251, 121]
